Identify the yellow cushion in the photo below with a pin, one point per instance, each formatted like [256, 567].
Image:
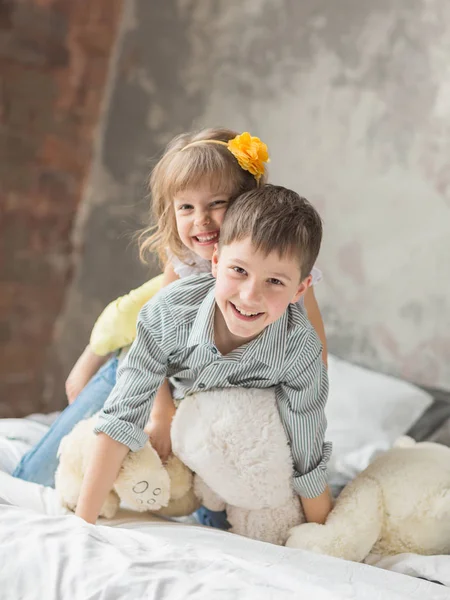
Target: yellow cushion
[116, 326]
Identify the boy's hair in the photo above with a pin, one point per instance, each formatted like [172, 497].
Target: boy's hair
[275, 218]
[179, 170]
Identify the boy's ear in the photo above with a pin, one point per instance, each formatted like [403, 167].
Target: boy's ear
[215, 260]
[301, 290]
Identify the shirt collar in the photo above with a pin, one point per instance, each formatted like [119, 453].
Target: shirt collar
[202, 332]
[270, 346]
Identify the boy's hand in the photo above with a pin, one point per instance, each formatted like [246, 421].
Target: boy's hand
[158, 430]
[317, 509]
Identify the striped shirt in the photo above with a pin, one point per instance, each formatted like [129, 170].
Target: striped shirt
[175, 340]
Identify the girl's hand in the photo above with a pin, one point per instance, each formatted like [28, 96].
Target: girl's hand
[77, 380]
[86, 366]
[158, 431]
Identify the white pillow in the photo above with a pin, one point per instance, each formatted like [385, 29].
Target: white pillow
[366, 413]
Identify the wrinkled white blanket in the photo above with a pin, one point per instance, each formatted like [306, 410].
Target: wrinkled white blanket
[59, 558]
[47, 552]
[44, 553]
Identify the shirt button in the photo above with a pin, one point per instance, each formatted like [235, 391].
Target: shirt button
[214, 350]
[201, 385]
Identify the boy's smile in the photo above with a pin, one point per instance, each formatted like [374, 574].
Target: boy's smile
[253, 290]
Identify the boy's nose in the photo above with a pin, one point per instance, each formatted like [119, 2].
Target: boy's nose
[251, 293]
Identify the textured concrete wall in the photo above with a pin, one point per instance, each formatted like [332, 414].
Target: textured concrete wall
[353, 99]
[54, 57]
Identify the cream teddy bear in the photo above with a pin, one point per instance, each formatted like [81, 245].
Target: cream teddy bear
[400, 503]
[232, 439]
[143, 483]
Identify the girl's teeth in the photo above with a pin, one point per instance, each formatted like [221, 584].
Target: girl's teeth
[206, 238]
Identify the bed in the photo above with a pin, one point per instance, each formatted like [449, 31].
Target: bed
[46, 552]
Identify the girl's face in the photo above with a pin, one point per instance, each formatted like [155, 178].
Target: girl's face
[199, 215]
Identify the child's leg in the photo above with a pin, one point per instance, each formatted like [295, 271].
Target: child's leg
[40, 463]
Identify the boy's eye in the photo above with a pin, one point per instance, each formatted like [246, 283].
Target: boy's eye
[274, 281]
[219, 203]
[239, 270]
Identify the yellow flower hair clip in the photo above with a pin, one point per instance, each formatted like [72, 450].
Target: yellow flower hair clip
[250, 152]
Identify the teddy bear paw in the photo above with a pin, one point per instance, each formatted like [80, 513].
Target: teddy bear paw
[147, 497]
[312, 537]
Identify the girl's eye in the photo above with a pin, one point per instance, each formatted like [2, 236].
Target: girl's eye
[185, 207]
[239, 270]
[274, 281]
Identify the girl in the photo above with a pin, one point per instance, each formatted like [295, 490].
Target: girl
[192, 185]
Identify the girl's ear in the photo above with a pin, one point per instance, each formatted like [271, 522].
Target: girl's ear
[215, 260]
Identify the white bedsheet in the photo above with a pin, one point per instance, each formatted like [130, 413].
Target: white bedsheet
[44, 553]
[17, 436]
[47, 552]
[64, 558]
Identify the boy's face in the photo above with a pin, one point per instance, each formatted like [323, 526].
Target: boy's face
[199, 214]
[253, 290]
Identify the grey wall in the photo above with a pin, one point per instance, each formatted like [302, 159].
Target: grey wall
[353, 99]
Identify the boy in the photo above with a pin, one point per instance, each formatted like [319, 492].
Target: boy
[239, 327]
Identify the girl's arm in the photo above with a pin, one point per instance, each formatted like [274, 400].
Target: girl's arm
[86, 366]
[114, 329]
[315, 318]
[116, 326]
[169, 275]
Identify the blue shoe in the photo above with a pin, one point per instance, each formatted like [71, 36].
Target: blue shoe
[211, 518]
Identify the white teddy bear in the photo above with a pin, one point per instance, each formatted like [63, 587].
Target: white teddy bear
[232, 439]
[400, 503]
[143, 483]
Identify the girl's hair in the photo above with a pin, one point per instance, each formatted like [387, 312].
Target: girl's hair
[179, 170]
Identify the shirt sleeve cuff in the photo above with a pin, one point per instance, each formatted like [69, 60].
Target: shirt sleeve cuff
[313, 483]
[121, 431]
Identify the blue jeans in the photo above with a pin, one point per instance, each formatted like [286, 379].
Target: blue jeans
[40, 463]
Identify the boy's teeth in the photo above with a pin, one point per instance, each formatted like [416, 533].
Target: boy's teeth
[246, 314]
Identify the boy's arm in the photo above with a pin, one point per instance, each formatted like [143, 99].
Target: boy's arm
[126, 411]
[158, 428]
[301, 401]
[102, 470]
[163, 411]
[315, 318]
[316, 509]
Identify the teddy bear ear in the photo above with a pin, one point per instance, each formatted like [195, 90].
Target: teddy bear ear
[404, 442]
